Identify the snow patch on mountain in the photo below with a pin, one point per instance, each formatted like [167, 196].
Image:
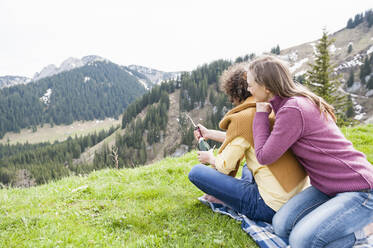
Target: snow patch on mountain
[355, 87]
[46, 97]
[370, 50]
[144, 83]
[355, 61]
[359, 114]
[154, 76]
[8, 81]
[291, 57]
[313, 45]
[300, 73]
[369, 93]
[298, 65]
[332, 48]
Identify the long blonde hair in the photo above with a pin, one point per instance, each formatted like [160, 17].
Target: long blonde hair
[272, 73]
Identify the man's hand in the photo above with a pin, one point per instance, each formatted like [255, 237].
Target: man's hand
[204, 132]
[206, 157]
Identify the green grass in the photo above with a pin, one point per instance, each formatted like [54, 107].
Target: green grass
[362, 139]
[150, 206]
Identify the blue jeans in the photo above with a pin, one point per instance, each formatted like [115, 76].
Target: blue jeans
[314, 219]
[241, 195]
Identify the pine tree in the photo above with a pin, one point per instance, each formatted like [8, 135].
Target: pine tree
[276, 50]
[350, 80]
[349, 49]
[365, 70]
[320, 78]
[350, 113]
[370, 83]
[350, 23]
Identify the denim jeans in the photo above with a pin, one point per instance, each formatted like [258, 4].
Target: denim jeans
[314, 219]
[241, 195]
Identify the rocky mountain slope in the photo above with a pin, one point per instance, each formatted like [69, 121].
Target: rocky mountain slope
[360, 39]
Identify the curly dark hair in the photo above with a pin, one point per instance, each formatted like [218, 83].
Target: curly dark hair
[233, 82]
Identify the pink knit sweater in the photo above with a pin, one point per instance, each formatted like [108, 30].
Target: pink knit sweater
[330, 160]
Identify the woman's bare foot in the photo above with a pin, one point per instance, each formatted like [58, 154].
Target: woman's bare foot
[368, 230]
[212, 199]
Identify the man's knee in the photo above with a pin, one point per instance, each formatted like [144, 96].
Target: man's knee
[195, 172]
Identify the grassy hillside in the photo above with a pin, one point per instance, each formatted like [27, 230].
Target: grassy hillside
[151, 206]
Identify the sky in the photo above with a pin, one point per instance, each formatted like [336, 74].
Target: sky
[168, 35]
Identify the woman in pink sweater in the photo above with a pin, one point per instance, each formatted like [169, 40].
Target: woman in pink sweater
[334, 210]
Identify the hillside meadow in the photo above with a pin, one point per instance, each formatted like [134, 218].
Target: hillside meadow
[149, 206]
[48, 133]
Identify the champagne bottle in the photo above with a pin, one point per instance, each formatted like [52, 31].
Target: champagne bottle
[202, 143]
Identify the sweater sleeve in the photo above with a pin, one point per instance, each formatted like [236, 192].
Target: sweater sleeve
[226, 161]
[288, 128]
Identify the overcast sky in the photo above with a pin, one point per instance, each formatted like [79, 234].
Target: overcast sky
[169, 35]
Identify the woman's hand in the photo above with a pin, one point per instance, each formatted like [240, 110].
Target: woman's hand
[263, 107]
[206, 157]
[204, 132]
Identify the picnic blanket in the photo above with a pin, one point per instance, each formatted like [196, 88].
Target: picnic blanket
[261, 232]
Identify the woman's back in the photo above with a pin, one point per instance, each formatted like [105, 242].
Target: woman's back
[328, 157]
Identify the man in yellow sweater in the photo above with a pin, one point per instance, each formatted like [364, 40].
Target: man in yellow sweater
[263, 189]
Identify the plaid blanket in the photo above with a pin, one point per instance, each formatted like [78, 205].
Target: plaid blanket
[262, 232]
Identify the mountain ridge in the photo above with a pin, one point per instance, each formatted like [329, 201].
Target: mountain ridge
[146, 76]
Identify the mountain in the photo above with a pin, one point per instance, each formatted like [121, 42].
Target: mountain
[96, 90]
[50, 70]
[150, 77]
[68, 64]
[8, 81]
[49, 102]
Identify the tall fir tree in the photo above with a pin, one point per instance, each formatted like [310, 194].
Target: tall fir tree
[351, 79]
[349, 49]
[370, 83]
[350, 112]
[365, 70]
[322, 80]
[275, 50]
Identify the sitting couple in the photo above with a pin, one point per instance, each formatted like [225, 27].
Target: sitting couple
[337, 206]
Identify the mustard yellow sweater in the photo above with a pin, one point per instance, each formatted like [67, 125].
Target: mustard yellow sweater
[238, 123]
